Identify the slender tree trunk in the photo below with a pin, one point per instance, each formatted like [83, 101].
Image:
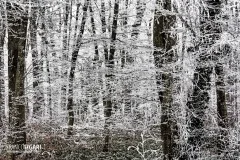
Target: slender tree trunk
[76, 23]
[51, 63]
[141, 7]
[65, 56]
[125, 22]
[109, 15]
[164, 41]
[38, 94]
[73, 67]
[16, 67]
[104, 28]
[96, 62]
[109, 63]
[210, 32]
[2, 35]
[128, 58]
[69, 25]
[96, 55]
[49, 90]
[44, 52]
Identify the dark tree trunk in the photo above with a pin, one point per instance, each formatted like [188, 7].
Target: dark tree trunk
[16, 67]
[221, 109]
[104, 28]
[72, 69]
[76, 23]
[109, 63]
[164, 41]
[210, 32]
[221, 100]
[109, 16]
[96, 55]
[49, 90]
[125, 22]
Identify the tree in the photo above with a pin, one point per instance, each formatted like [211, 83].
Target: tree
[96, 59]
[73, 67]
[210, 30]
[164, 40]
[65, 55]
[109, 64]
[16, 67]
[127, 57]
[37, 68]
[2, 35]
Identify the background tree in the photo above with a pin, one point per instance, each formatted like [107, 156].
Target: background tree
[164, 42]
[210, 31]
[73, 67]
[109, 64]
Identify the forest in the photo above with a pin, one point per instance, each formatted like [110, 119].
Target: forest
[119, 79]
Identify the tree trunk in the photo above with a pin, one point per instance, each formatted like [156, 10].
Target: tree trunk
[210, 32]
[65, 56]
[38, 93]
[221, 109]
[141, 7]
[69, 25]
[16, 67]
[76, 23]
[96, 55]
[2, 35]
[164, 41]
[49, 90]
[127, 58]
[96, 61]
[72, 70]
[125, 22]
[109, 63]
[104, 28]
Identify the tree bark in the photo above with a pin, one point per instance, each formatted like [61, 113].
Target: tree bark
[164, 41]
[104, 28]
[76, 23]
[127, 58]
[38, 93]
[72, 69]
[210, 30]
[96, 60]
[221, 109]
[65, 56]
[109, 63]
[2, 35]
[141, 7]
[16, 67]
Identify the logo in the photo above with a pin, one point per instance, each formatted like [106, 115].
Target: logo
[26, 148]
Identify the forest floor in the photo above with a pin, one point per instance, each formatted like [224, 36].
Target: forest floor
[85, 144]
